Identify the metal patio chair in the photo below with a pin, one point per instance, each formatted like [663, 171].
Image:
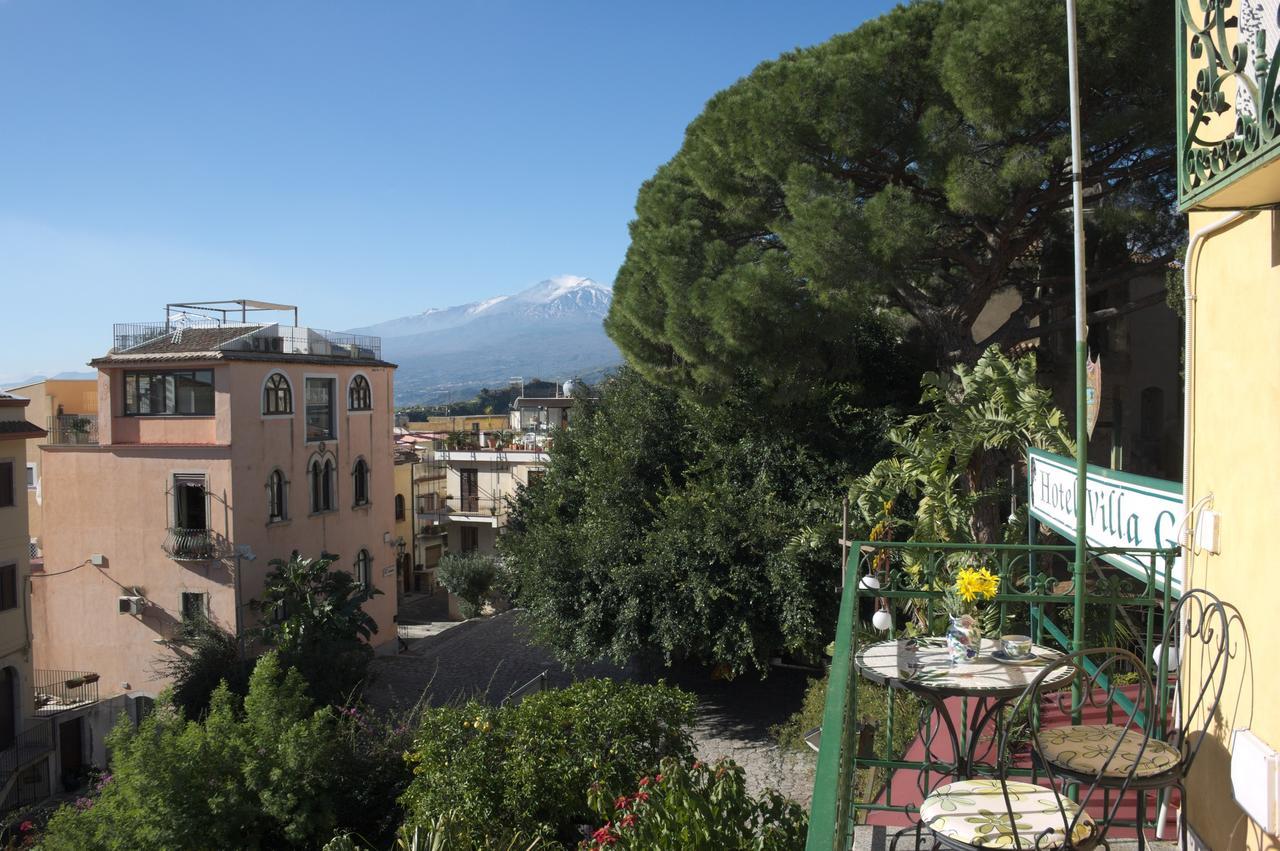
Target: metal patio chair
[1197, 631]
[1003, 812]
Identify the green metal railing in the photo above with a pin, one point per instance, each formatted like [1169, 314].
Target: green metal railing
[1037, 595]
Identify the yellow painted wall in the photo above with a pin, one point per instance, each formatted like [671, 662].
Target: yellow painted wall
[76, 396]
[1236, 458]
[484, 422]
[15, 643]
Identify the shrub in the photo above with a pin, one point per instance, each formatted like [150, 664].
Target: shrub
[469, 577]
[694, 807]
[266, 772]
[315, 618]
[527, 767]
[205, 656]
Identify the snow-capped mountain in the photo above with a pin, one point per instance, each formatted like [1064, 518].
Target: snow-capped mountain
[552, 330]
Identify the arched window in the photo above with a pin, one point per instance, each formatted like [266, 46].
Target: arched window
[364, 569]
[399, 506]
[277, 395]
[360, 482]
[359, 396]
[277, 497]
[322, 472]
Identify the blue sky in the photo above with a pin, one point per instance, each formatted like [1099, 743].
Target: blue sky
[362, 160]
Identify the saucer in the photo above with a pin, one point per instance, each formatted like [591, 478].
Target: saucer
[1004, 659]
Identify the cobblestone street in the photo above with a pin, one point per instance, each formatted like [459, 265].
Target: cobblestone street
[491, 657]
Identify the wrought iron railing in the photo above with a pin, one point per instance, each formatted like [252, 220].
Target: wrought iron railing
[194, 544]
[494, 506]
[277, 339]
[853, 776]
[73, 430]
[58, 691]
[35, 741]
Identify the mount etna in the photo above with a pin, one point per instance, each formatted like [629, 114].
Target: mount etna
[553, 330]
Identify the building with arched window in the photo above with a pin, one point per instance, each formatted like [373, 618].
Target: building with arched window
[204, 428]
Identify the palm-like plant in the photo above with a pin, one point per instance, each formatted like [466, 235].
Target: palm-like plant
[314, 616]
[946, 479]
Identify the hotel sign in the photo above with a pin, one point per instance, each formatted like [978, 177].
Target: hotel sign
[1122, 510]
[1228, 87]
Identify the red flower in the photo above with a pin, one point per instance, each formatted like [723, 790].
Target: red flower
[604, 835]
[658, 778]
[642, 796]
[644, 781]
[25, 826]
[628, 820]
[696, 765]
[621, 802]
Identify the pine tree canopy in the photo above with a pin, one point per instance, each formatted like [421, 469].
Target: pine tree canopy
[904, 172]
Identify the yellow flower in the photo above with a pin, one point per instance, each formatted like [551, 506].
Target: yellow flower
[974, 583]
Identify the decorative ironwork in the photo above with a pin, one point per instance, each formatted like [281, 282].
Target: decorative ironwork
[194, 544]
[58, 691]
[73, 430]
[906, 581]
[1229, 100]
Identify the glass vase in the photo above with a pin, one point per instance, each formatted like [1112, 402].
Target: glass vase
[964, 638]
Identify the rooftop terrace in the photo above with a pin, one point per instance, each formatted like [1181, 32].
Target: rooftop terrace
[215, 329]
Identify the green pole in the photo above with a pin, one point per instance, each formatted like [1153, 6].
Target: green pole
[1082, 331]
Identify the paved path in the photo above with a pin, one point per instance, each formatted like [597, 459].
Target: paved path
[489, 658]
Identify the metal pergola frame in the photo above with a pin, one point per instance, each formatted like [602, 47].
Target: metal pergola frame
[226, 307]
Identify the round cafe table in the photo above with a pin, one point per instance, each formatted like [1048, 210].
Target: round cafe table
[922, 667]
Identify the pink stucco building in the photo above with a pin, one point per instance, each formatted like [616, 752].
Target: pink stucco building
[220, 445]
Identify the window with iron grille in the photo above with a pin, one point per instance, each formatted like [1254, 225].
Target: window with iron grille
[194, 605]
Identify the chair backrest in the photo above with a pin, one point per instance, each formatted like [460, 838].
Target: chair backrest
[1197, 629]
[1110, 679]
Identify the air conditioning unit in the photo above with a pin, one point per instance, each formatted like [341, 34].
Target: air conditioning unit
[275, 344]
[130, 605]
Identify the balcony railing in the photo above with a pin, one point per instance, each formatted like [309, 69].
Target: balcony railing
[867, 730]
[491, 505]
[73, 430]
[29, 745]
[194, 544]
[277, 339]
[58, 691]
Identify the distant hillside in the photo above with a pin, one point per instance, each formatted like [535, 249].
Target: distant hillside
[553, 330]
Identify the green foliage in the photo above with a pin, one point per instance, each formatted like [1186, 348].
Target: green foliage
[674, 529]
[315, 618]
[911, 168]
[526, 767]
[695, 807]
[872, 713]
[468, 576]
[790, 733]
[205, 655]
[948, 476]
[261, 775]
